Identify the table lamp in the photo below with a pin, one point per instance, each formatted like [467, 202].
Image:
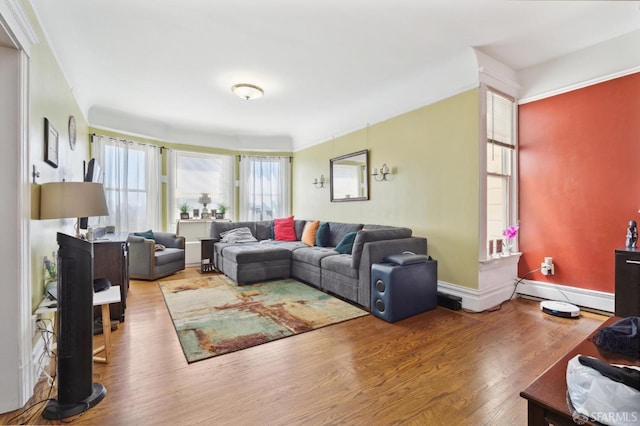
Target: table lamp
[59, 200]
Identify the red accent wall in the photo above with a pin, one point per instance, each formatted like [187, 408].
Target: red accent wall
[579, 181]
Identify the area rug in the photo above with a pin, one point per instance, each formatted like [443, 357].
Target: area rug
[213, 315]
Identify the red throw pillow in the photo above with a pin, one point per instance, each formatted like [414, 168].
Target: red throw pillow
[283, 229]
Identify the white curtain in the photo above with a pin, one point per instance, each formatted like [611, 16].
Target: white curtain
[265, 187]
[132, 182]
[172, 176]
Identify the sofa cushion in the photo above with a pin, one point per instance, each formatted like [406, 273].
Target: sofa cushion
[312, 255]
[284, 230]
[309, 233]
[340, 264]
[289, 245]
[375, 234]
[264, 230]
[254, 252]
[346, 243]
[373, 227]
[299, 227]
[168, 255]
[337, 230]
[322, 235]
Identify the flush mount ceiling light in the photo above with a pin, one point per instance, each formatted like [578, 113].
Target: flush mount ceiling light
[247, 91]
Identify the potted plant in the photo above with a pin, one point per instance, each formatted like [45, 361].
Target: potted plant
[184, 211]
[222, 209]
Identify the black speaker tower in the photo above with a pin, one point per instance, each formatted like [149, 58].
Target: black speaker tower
[76, 390]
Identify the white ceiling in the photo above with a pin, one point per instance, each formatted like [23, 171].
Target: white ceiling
[165, 67]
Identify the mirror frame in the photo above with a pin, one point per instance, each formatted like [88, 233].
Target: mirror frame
[366, 180]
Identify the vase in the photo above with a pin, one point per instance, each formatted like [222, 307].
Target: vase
[506, 248]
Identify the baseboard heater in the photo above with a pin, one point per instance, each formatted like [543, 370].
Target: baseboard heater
[449, 301]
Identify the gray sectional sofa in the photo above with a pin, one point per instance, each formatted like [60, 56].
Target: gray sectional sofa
[346, 275]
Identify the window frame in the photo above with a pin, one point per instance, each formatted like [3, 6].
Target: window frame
[173, 215]
[512, 178]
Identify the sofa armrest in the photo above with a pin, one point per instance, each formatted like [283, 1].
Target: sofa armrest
[375, 252]
[141, 255]
[369, 235]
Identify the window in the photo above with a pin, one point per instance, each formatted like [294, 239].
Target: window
[500, 171]
[131, 182]
[195, 173]
[265, 187]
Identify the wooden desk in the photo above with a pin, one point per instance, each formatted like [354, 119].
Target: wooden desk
[547, 395]
[102, 299]
[111, 261]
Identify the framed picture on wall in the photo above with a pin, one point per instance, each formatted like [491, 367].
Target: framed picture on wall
[50, 144]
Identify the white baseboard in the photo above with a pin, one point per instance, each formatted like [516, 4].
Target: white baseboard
[478, 301]
[593, 299]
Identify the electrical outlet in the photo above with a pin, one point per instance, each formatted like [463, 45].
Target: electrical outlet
[547, 267]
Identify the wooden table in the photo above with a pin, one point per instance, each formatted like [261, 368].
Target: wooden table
[206, 255]
[102, 299]
[547, 395]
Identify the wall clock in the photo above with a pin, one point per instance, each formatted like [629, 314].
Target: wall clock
[72, 132]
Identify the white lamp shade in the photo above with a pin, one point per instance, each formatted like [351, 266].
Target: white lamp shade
[60, 200]
[247, 91]
[204, 199]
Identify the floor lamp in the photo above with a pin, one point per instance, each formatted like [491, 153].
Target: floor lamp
[74, 362]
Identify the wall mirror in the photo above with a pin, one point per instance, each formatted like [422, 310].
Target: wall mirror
[349, 177]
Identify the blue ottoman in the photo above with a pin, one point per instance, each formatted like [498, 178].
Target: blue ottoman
[404, 285]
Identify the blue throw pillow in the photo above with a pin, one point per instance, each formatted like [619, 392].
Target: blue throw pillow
[322, 235]
[346, 243]
[146, 234]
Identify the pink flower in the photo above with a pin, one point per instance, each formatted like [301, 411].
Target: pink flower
[511, 231]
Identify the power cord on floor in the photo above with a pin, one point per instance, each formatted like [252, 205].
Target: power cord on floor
[561, 292]
[48, 337]
[515, 287]
[519, 280]
[553, 283]
[45, 327]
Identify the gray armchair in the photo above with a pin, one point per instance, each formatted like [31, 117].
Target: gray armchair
[147, 263]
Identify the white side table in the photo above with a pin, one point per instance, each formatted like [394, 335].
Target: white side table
[103, 299]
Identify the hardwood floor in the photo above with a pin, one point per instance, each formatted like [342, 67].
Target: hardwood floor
[439, 368]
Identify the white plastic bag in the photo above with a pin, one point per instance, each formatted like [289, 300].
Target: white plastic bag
[600, 398]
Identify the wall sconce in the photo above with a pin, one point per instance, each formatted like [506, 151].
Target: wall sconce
[384, 171]
[319, 183]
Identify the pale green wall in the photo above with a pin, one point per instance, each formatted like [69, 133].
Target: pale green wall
[434, 156]
[51, 97]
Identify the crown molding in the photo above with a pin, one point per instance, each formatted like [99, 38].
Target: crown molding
[14, 18]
